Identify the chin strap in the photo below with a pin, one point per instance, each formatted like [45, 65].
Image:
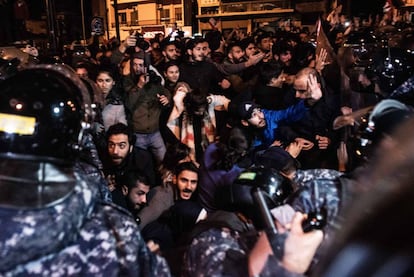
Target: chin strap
[276, 240]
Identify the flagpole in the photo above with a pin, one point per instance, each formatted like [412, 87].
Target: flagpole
[116, 19]
[83, 23]
[51, 24]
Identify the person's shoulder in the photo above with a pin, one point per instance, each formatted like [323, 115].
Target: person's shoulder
[212, 147]
[303, 176]
[110, 208]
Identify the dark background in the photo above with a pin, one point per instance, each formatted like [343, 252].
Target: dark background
[70, 27]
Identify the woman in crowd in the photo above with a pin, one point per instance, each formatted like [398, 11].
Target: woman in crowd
[114, 109]
[192, 119]
[171, 74]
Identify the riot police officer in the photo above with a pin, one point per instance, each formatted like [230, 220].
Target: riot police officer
[53, 222]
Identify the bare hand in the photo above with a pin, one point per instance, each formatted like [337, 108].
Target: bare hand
[323, 142]
[111, 182]
[179, 99]
[300, 247]
[320, 60]
[126, 70]
[304, 143]
[152, 246]
[276, 143]
[314, 87]
[225, 84]
[342, 155]
[130, 41]
[254, 59]
[294, 149]
[163, 99]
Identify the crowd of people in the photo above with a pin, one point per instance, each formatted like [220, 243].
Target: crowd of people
[276, 153]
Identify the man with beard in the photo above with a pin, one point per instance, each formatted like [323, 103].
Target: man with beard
[135, 71]
[132, 194]
[261, 124]
[235, 64]
[122, 156]
[170, 51]
[180, 205]
[198, 72]
[182, 187]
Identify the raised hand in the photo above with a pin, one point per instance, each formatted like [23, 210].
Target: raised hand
[314, 87]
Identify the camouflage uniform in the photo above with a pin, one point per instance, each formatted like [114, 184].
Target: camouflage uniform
[222, 251]
[92, 167]
[318, 188]
[77, 235]
[324, 189]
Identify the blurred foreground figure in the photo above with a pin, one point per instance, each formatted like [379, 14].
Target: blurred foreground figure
[244, 239]
[53, 223]
[377, 237]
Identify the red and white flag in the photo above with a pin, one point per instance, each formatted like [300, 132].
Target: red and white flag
[322, 42]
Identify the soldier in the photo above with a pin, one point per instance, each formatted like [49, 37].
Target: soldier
[53, 223]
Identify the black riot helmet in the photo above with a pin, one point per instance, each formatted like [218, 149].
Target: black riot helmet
[43, 112]
[238, 196]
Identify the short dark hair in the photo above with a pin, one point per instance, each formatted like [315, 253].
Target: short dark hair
[121, 128]
[261, 35]
[281, 47]
[268, 71]
[213, 37]
[190, 166]
[175, 153]
[168, 41]
[195, 100]
[169, 64]
[131, 178]
[193, 42]
[233, 146]
[234, 44]
[244, 43]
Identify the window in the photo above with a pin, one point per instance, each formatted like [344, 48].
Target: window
[134, 18]
[165, 15]
[122, 18]
[170, 2]
[178, 14]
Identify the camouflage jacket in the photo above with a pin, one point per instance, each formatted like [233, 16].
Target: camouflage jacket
[318, 189]
[78, 235]
[222, 251]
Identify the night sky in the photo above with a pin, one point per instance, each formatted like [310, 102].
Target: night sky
[366, 7]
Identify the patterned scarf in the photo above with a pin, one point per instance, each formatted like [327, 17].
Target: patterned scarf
[207, 131]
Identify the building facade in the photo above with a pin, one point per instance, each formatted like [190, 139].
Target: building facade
[193, 16]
